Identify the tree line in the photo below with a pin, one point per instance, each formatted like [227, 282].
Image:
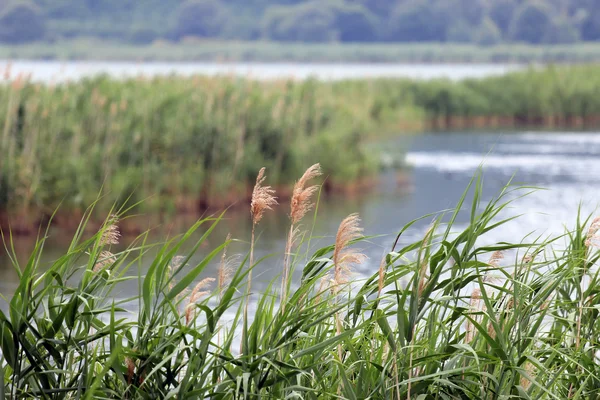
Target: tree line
[484, 22]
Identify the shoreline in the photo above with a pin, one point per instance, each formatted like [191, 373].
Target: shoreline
[27, 223]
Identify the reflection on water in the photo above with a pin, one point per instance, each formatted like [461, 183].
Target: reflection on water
[442, 165]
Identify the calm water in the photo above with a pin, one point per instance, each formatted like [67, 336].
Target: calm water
[57, 71]
[441, 166]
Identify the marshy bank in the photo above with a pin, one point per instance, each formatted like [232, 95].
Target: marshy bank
[184, 144]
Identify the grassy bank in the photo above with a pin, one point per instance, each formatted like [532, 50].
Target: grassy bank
[82, 49]
[185, 144]
[443, 317]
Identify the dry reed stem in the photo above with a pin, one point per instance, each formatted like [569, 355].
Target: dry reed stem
[495, 258]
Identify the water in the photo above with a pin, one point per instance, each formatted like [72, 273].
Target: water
[442, 165]
[58, 71]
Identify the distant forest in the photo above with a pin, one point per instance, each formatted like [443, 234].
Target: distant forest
[484, 22]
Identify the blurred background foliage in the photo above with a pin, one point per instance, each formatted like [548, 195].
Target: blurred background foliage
[484, 22]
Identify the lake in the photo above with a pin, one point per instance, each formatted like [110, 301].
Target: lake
[59, 71]
[441, 166]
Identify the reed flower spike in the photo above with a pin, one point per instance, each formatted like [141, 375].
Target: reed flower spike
[262, 198]
[300, 205]
[225, 269]
[198, 292]
[301, 196]
[592, 237]
[343, 257]
[110, 236]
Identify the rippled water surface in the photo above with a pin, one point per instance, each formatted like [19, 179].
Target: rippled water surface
[441, 166]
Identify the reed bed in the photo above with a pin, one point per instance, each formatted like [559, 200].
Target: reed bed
[445, 317]
[184, 144]
[180, 144]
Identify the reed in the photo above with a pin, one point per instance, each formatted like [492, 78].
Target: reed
[451, 317]
[180, 144]
[183, 144]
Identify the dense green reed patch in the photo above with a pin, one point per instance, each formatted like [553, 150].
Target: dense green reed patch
[179, 143]
[185, 143]
[444, 317]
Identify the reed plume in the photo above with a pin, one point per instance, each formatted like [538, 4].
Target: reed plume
[105, 259]
[263, 199]
[301, 196]
[301, 204]
[495, 258]
[344, 258]
[474, 306]
[173, 266]
[225, 269]
[110, 235]
[198, 292]
[381, 277]
[591, 237]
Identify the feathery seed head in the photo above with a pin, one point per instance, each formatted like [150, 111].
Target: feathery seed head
[173, 266]
[225, 268]
[495, 259]
[474, 306]
[592, 233]
[301, 196]
[323, 286]
[111, 234]
[381, 276]
[197, 293]
[105, 259]
[262, 198]
[344, 258]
